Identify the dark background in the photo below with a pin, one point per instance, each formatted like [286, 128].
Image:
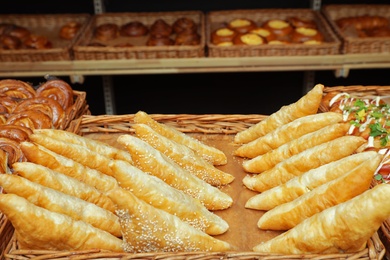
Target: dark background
[197, 93]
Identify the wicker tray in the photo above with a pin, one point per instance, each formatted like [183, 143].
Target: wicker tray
[217, 19]
[139, 50]
[217, 130]
[47, 25]
[354, 44]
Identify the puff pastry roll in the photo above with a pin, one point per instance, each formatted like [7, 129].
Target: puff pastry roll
[159, 194]
[209, 153]
[270, 159]
[40, 155]
[287, 133]
[149, 229]
[183, 156]
[37, 228]
[154, 162]
[306, 182]
[306, 105]
[341, 189]
[94, 145]
[58, 181]
[344, 228]
[56, 201]
[303, 162]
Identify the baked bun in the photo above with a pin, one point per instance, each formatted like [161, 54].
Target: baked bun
[264, 33]
[19, 32]
[16, 89]
[5, 28]
[106, 32]
[37, 42]
[185, 38]
[184, 24]
[159, 41]
[133, 29]
[9, 42]
[299, 22]
[58, 90]
[7, 105]
[160, 28]
[69, 30]
[302, 34]
[279, 27]
[241, 25]
[248, 39]
[221, 35]
[364, 22]
[33, 119]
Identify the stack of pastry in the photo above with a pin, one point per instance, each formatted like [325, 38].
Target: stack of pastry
[312, 176]
[25, 108]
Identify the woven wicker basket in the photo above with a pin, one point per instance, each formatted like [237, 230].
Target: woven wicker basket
[205, 126]
[354, 44]
[217, 19]
[139, 50]
[47, 25]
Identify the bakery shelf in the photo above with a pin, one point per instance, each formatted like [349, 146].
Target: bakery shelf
[339, 63]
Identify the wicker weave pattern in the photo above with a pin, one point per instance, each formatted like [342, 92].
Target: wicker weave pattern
[218, 19]
[358, 45]
[49, 26]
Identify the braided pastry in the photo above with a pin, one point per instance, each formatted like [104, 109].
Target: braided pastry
[16, 88]
[47, 105]
[58, 90]
[7, 105]
[15, 132]
[33, 119]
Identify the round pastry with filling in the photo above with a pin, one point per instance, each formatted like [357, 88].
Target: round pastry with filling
[248, 39]
[302, 34]
[69, 30]
[38, 42]
[160, 28]
[280, 28]
[106, 32]
[221, 35]
[133, 29]
[265, 33]
[241, 25]
[184, 24]
[299, 22]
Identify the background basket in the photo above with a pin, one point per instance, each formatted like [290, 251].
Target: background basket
[139, 51]
[217, 19]
[354, 44]
[47, 25]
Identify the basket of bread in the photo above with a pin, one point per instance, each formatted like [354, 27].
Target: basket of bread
[269, 32]
[43, 37]
[362, 28]
[143, 35]
[295, 184]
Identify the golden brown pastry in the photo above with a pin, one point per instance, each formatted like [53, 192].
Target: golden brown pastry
[20, 32]
[69, 30]
[268, 160]
[159, 194]
[7, 104]
[161, 231]
[248, 39]
[300, 163]
[15, 132]
[183, 156]
[266, 34]
[344, 228]
[38, 42]
[306, 105]
[63, 183]
[133, 29]
[302, 35]
[160, 28]
[48, 106]
[16, 89]
[9, 42]
[286, 133]
[59, 202]
[5, 28]
[185, 38]
[58, 90]
[154, 162]
[329, 194]
[12, 148]
[279, 27]
[106, 32]
[3, 164]
[32, 119]
[362, 22]
[94, 145]
[241, 25]
[306, 182]
[40, 155]
[37, 228]
[297, 22]
[159, 41]
[209, 153]
[184, 24]
[222, 35]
